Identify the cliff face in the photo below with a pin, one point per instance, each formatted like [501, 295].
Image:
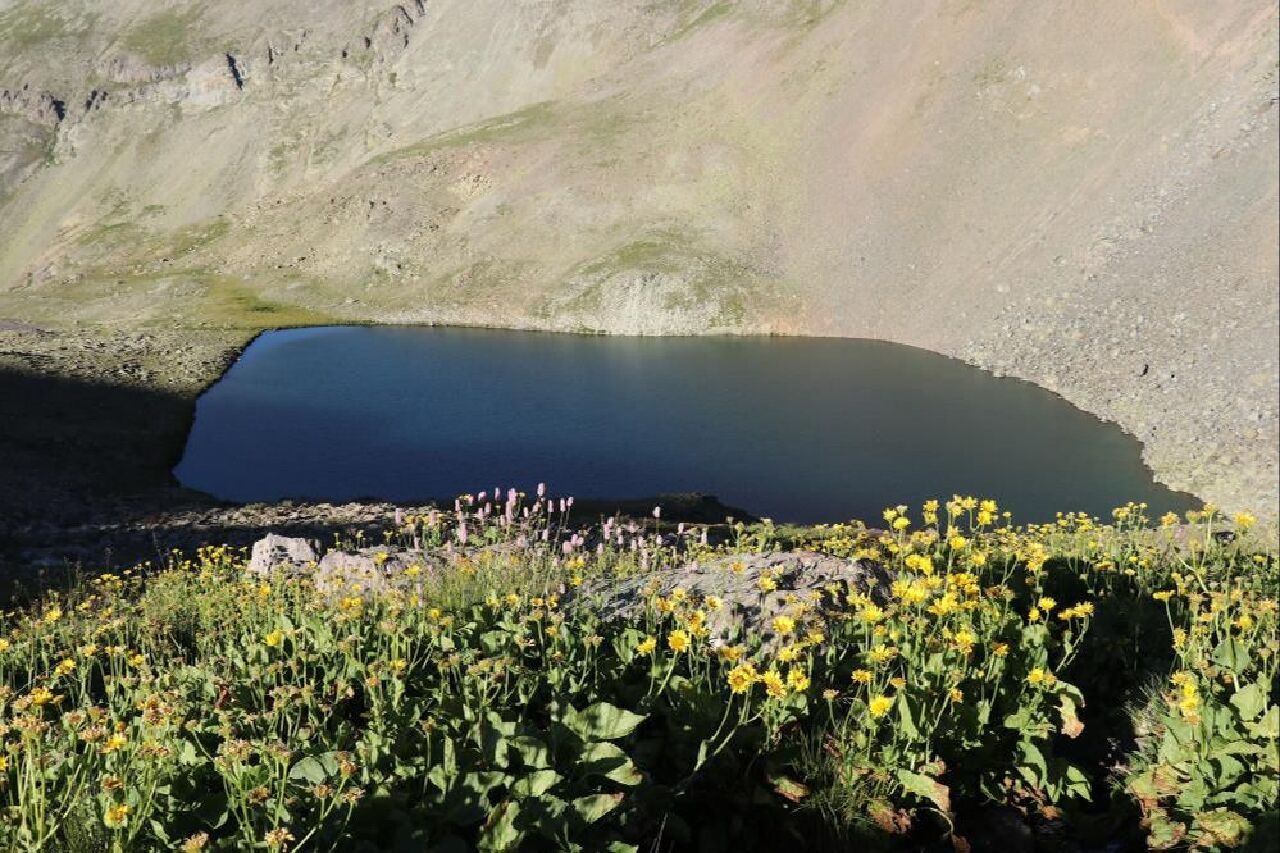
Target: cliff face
[1081, 195]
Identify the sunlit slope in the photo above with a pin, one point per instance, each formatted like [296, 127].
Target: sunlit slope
[1083, 195]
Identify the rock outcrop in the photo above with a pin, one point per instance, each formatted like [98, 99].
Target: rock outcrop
[816, 580]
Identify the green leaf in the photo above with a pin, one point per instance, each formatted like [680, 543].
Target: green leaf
[1268, 727]
[1232, 654]
[927, 789]
[590, 809]
[532, 751]
[500, 831]
[602, 721]
[535, 784]
[1078, 783]
[1250, 701]
[493, 747]
[314, 769]
[905, 716]
[1033, 759]
[188, 755]
[606, 759]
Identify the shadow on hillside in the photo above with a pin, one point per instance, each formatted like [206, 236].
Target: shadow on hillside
[69, 445]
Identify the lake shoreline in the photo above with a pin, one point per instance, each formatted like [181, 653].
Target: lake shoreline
[94, 466]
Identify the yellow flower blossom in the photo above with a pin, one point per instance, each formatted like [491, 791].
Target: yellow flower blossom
[774, 686]
[646, 646]
[116, 816]
[741, 677]
[678, 640]
[729, 653]
[879, 705]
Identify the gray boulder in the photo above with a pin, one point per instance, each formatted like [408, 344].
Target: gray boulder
[272, 552]
[746, 610]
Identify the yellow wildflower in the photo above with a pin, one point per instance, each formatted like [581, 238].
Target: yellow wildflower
[862, 676]
[646, 646]
[729, 653]
[741, 677]
[274, 639]
[797, 680]
[774, 686]
[784, 624]
[879, 705]
[113, 743]
[678, 640]
[116, 816]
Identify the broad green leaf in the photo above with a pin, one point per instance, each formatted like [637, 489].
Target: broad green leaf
[1268, 727]
[1077, 783]
[1250, 701]
[927, 789]
[535, 784]
[533, 752]
[590, 809]
[602, 721]
[1033, 759]
[314, 769]
[907, 720]
[500, 831]
[1232, 654]
[606, 759]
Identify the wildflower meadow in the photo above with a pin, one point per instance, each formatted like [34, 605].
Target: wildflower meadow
[1102, 679]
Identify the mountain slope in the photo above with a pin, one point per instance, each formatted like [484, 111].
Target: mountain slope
[1084, 196]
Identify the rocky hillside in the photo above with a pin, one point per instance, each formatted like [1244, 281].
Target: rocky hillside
[1083, 195]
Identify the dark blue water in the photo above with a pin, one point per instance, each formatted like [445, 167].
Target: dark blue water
[798, 429]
